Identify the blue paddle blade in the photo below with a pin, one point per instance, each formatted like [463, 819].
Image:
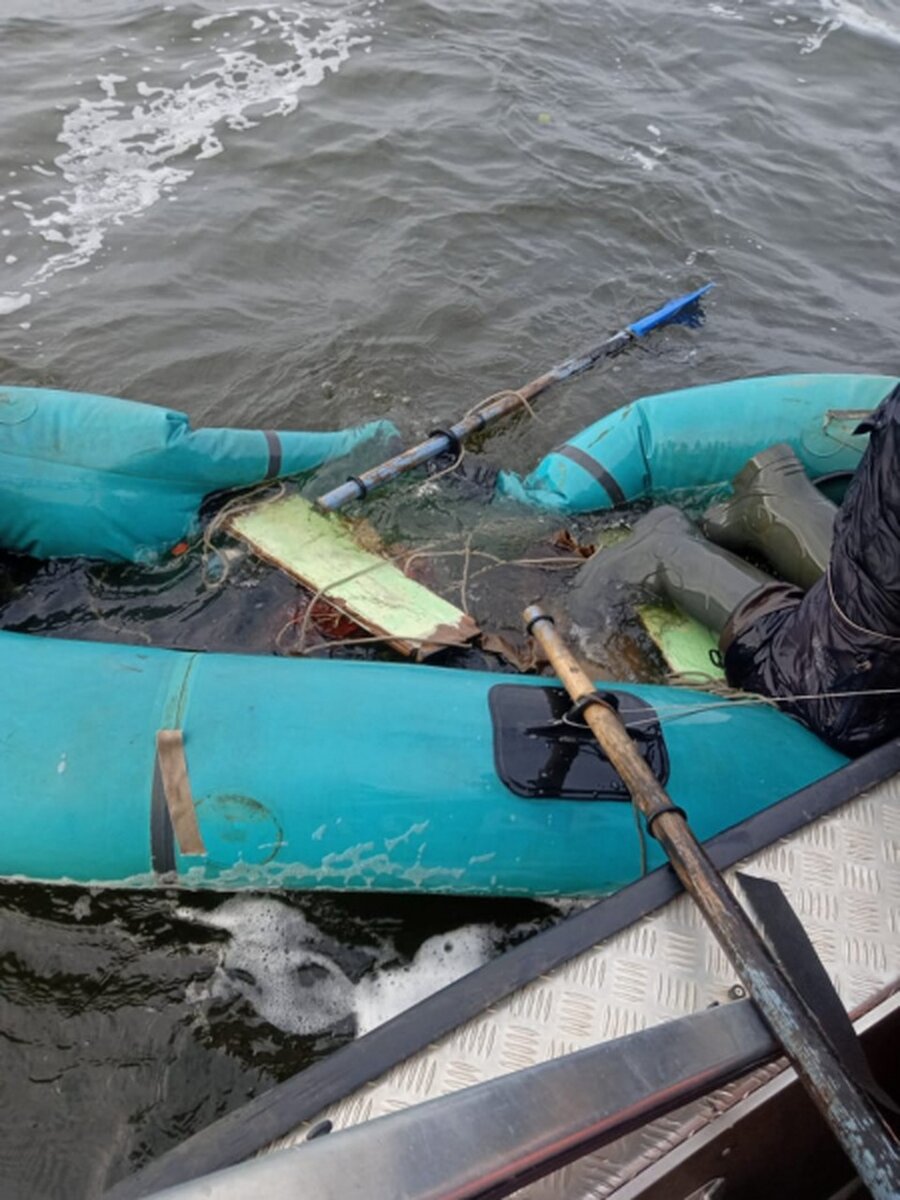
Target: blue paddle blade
[682, 310]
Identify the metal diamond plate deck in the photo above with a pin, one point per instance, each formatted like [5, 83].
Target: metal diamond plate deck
[841, 874]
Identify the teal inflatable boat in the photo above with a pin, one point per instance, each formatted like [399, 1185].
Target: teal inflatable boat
[145, 767]
[106, 478]
[114, 479]
[667, 446]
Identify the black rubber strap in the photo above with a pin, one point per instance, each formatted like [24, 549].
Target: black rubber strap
[273, 441]
[363, 489]
[661, 812]
[541, 616]
[607, 699]
[278, 1111]
[454, 443]
[596, 470]
[639, 733]
[162, 835]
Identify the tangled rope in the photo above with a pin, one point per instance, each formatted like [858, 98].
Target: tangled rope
[404, 559]
[244, 501]
[513, 393]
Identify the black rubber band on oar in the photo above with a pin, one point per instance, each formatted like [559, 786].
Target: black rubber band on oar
[363, 490]
[607, 699]
[454, 443]
[661, 812]
[541, 616]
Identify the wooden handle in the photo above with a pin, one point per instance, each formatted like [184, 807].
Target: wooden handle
[604, 722]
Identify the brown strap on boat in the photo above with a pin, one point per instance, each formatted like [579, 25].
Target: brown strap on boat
[173, 771]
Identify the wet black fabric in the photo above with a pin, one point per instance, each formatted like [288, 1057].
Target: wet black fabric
[843, 635]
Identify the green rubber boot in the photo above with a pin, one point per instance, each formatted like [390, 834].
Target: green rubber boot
[779, 513]
[664, 558]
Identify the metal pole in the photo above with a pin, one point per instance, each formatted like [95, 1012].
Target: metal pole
[850, 1114]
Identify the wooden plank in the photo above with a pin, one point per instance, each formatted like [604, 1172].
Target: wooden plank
[684, 643]
[321, 553]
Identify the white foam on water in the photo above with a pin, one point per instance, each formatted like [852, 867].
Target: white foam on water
[276, 959]
[726, 14]
[11, 302]
[272, 960]
[137, 142]
[648, 161]
[439, 961]
[856, 15]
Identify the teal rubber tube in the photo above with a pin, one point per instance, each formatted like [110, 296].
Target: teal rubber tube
[107, 478]
[667, 446]
[339, 775]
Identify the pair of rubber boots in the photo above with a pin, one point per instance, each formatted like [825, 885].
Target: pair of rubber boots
[775, 512]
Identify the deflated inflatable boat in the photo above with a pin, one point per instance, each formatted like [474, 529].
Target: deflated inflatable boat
[91, 475]
[114, 479]
[698, 439]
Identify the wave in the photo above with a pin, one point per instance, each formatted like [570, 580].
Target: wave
[135, 144]
[855, 16]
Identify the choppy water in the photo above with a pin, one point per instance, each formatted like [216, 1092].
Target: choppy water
[307, 214]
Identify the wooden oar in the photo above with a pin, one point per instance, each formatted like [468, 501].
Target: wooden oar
[849, 1112]
[506, 402]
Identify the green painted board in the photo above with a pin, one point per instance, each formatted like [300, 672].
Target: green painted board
[320, 551]
[684, 643]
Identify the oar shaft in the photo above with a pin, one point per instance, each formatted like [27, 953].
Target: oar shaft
[848, 1111]
[440, 441]
[434, 445]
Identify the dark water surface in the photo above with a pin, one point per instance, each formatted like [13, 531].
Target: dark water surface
[306, 215]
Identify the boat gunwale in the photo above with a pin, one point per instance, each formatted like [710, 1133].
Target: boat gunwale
[278, 1112]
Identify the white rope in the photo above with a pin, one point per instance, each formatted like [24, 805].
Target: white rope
[243, 501]
[691, 710]
[326, 588]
